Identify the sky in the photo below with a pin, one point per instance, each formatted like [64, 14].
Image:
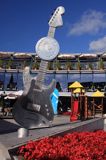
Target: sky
[24, 22]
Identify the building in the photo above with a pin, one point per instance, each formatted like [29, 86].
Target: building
[87, 68]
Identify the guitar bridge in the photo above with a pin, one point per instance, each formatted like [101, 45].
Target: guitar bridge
[35, 107]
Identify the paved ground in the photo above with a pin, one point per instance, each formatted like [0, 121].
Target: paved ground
[9, 125]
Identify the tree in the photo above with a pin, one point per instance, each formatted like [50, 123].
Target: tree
[90, 66]
[1, 105]
[78, 64]
[9, 63]
[101, 64]
[1, 63]
[68, 65]
[35, 65]
[57, 65]
[50, 66]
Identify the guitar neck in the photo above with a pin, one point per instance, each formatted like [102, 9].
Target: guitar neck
[42, 71]
[51, 32]
[43, 65]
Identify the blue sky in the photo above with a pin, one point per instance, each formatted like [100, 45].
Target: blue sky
[24, 22]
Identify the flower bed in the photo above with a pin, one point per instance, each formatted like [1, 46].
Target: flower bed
[74, 146]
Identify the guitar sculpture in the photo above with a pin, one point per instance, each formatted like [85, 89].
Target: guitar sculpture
[34, 109]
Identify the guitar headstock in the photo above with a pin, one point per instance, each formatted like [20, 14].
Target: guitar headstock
[56, 19]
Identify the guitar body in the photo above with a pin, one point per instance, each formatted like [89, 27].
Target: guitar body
[34, 109]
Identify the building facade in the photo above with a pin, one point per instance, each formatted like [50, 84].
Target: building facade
[87, 68]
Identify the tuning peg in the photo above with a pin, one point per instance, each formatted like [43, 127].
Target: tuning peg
[53, 11]
[61, 9]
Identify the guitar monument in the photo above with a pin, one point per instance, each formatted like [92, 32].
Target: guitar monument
[34, 108]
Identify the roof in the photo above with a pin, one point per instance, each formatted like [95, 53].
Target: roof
[88, 55]
[76, 84]
[22, 55]
[78, 90]
[5, 54]
[104, 55]
[67, 56]
[97, 94]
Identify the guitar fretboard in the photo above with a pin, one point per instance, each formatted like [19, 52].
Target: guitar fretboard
[43, 65]
[42, 71]
[51, 32]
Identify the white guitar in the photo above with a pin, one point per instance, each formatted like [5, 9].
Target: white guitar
[34, 109]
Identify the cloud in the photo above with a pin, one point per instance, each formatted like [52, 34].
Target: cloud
[98, 45]
[91, 22]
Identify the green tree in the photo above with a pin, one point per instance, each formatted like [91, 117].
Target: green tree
[50, 66]
[35, 65]
[90, 66]
[57, 65]
[9, 63]
[101, 64]
[78, 64]
[68, 65]
[1, 63]
[1, 104]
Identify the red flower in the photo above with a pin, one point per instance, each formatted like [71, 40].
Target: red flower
[75, 146]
